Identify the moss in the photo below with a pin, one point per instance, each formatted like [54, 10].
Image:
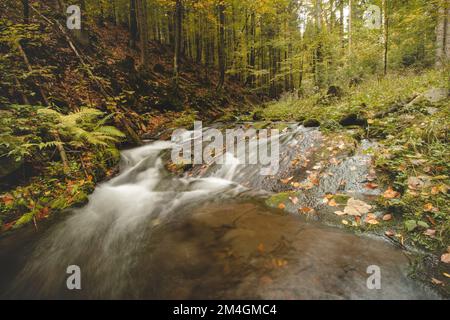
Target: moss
[276, 199]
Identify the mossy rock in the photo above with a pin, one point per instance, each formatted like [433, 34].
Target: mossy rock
[278, 198]
[311, 123]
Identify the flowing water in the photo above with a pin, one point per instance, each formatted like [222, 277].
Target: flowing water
[208, 234]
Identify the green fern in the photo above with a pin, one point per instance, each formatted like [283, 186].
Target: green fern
[84, 127]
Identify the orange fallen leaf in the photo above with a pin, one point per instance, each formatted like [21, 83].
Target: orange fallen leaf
[445, 258]
[372, 221]
[371, 185]
[332, 203]
[286, 181]
[7, 199]
[305, 210]
[428, 207]
[391, 193]
[281, 206]
[296, 185]
[261, 248]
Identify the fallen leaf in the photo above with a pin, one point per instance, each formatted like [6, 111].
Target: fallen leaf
[340, 213]
[391, 193]
[414, 183]
[387, 217]
[372, 221]
[445, 258]
[286, 181]
[261, 247]
[345, 222]
[356, 207]
[428, 207]
[436, 281]
[332, 203]
[294, 200]
[430, 233]
[446, 274]
[281, 206]
[389, 233]
[305, 210]
[296, 185]
[7, 199]
[371, 185]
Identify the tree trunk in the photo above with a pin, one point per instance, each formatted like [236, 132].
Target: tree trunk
[141, 7]
[178, 34]
[133, 24]
[221, 45]
[350, 25]
[385, 35]
[443, 35]
[26, 11]
[341, 22]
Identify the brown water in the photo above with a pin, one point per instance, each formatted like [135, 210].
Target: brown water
[147, 234]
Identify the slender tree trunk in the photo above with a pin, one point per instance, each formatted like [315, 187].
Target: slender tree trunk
[385, 35]
[350, 26]
[443, 35]
[141, 7]
[133, 24]
[341, 22]
[221, 45]
[178, 34]
[26, 11]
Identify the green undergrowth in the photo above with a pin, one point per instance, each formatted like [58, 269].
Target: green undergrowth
[35, 182]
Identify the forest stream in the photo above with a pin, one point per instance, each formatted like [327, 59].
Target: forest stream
[209, 234]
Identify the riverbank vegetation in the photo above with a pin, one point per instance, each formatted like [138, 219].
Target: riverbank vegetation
[71, 99]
